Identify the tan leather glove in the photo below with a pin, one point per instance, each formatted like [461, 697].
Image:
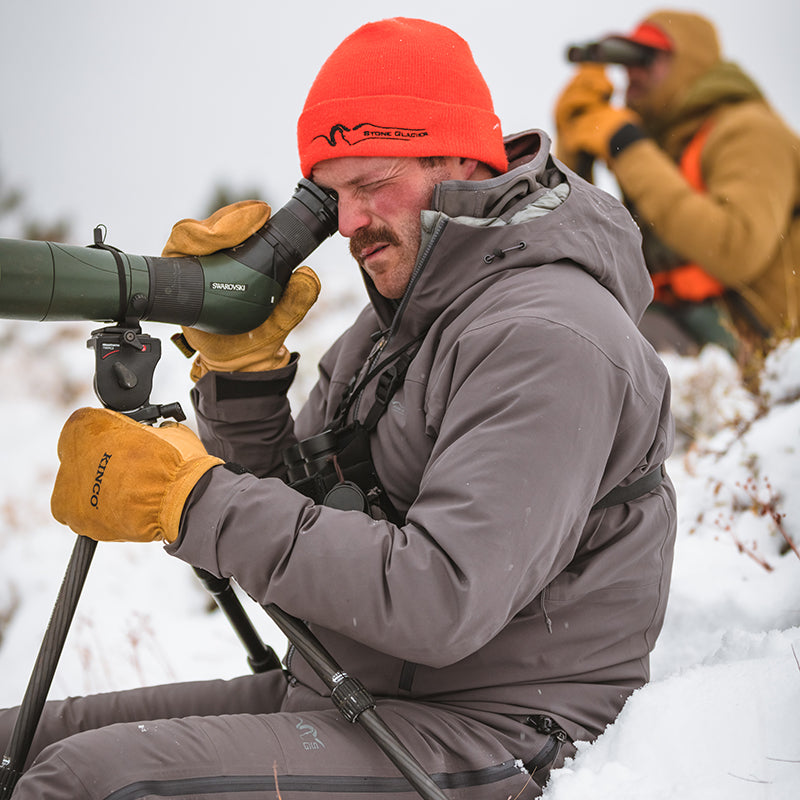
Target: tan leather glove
[125, 481]
[262, 348]
[226, 227]
[589, 88]
[591, 132]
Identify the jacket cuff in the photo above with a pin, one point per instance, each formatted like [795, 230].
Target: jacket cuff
[625, 136]
[245, 385]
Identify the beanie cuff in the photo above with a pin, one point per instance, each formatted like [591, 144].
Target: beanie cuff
[371, 126]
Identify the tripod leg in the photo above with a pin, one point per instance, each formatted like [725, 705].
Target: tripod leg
[354, 701]
[30, 710]
[260, 656]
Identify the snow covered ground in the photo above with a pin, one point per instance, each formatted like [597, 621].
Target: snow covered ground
[721, 716]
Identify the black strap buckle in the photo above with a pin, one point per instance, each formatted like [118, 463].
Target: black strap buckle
[389, 382]
[387, 385]
[547, 726]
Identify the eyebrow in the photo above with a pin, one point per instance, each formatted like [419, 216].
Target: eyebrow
[359, 180]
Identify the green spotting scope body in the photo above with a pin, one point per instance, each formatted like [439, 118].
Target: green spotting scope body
[231, 291]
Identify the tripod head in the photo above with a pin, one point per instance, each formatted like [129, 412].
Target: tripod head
[125, 360]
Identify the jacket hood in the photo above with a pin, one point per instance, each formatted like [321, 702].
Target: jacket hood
[723, 83]
[695, 50]
[539, 212]
[698, 78]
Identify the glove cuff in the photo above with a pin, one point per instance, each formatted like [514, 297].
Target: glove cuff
[624, 137]
[179, 489]
[251, 362]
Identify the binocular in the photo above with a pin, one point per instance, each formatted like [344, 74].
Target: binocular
[313, 470]
[611, 50]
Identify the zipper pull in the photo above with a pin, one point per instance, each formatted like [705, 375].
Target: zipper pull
[379, 345]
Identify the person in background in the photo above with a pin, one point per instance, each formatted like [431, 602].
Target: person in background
[709, 170]
[499, 572]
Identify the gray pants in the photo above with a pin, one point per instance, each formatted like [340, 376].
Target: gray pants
[256, 737]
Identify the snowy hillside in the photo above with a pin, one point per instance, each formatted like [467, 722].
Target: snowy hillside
[720, 717]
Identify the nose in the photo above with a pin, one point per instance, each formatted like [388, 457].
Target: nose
[353, 216]
[637, 73]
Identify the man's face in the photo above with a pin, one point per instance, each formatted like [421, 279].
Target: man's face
[379, 202]
[644, 80]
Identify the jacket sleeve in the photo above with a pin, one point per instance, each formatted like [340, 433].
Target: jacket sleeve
[733, 229]
[244, 417]
[519, 458]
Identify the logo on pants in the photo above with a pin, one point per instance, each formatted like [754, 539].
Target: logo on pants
[309, 737]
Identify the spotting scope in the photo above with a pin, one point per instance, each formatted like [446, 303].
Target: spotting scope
[231, 291]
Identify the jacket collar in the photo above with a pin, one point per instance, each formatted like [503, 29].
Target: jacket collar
[477, 230]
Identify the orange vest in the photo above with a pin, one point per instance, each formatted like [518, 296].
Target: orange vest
[689, 281]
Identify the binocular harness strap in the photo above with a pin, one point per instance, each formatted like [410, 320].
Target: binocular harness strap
[392, 379]
[624, 494]
[352, 459]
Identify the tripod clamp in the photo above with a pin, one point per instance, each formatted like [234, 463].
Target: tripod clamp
[125, 360]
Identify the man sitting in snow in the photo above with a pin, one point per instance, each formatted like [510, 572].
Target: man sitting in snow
[501, 589]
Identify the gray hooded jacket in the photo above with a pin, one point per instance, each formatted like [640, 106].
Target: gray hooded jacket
[531, 396]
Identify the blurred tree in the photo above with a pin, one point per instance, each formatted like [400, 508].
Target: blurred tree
[45, 231]
[10, 199]
[12, 205]
[224, 195]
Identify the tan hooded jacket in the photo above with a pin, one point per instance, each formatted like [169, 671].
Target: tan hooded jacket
[745, 230]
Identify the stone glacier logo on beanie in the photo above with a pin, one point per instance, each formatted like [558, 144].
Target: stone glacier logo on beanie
[365, 131]
[400, 87]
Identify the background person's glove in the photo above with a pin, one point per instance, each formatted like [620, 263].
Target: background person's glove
[262, 348]
[125, 481]
[588, 89]
[593, 130]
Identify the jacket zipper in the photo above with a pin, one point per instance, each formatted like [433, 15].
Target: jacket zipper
[423, 260]
[386, 338]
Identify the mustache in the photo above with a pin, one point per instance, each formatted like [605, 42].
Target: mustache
[369, 237]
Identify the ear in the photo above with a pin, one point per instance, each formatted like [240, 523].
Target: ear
[470, 169]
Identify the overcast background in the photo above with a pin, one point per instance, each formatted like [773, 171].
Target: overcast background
[130, 113]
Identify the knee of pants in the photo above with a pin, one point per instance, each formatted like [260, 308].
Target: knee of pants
[94, 764]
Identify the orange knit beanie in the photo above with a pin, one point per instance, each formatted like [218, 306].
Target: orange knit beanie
[400, 87]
